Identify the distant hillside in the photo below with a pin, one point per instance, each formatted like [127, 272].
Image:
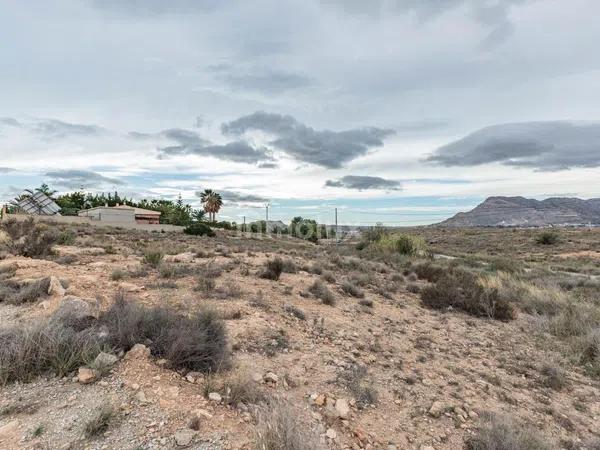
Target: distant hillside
[524, 212]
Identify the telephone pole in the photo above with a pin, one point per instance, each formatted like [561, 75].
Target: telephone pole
[336, 227]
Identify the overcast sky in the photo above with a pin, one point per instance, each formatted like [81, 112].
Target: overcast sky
[394, 111]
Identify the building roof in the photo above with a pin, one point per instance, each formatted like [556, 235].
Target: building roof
[136, 211]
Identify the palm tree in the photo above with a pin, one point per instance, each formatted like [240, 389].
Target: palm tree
[212, 202]
[45, 189]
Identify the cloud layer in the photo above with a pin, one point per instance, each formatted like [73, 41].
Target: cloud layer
[326, 148]
[75, 179]
[545, 146]
[364, 183]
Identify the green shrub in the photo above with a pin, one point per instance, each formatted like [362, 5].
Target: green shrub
[199, 229]
[402, 244]
[547, 238]
[66, 237]
[462, 290]
[153, 256]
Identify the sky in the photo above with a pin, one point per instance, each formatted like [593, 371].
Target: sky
[399, 112]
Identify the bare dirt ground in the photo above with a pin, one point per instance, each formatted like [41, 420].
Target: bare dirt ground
[434, 373]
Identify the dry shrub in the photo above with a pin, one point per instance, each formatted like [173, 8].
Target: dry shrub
[554, 376]
[502, 433]
[27, 352]
[289, 266]
[429, 271]
[358, 382]
[294, 311]
[328, 276]
[29, 238]
[321, 291]
[278, 428]
[351, 289]
[239, 387]
[197, 342]
[273, 269]
[173, 270]
[99, 421]
[19, 293]
[465, 291]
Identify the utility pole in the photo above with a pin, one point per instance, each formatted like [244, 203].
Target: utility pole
[244, 226]
[267, 208]
[336, 227]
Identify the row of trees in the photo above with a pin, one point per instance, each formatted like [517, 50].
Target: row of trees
[172, 212]
[179, 213]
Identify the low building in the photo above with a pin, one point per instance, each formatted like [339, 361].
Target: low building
[121, 214]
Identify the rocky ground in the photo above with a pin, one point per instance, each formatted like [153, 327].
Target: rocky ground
[376, 372]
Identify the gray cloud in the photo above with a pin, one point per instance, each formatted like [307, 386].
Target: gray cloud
[9, 121]
[325, 148]
[157, 7]
[268, 165]
[74, 179]
[6, 169]
[493, 15]
[364, 183]
[53, 128]
[238, 198]
[190, 143]
[260, 79]
[545, 146]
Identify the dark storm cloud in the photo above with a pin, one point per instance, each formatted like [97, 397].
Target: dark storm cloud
[74, 179]
[544, 146]
[364, 182]
[325, 148]
[264, 80]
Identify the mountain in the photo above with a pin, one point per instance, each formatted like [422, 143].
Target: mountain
[524, 212]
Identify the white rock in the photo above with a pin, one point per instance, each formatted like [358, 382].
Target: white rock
[215, 397]
[184, 437]
[342, 408]
[138, 351]
[331, 433]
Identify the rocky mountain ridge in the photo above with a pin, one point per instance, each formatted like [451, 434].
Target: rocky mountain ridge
[524, 212]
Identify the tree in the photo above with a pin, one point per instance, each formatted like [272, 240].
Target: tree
[45, 189]
[212, 202]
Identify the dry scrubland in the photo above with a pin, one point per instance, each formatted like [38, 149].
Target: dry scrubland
[120, 339]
